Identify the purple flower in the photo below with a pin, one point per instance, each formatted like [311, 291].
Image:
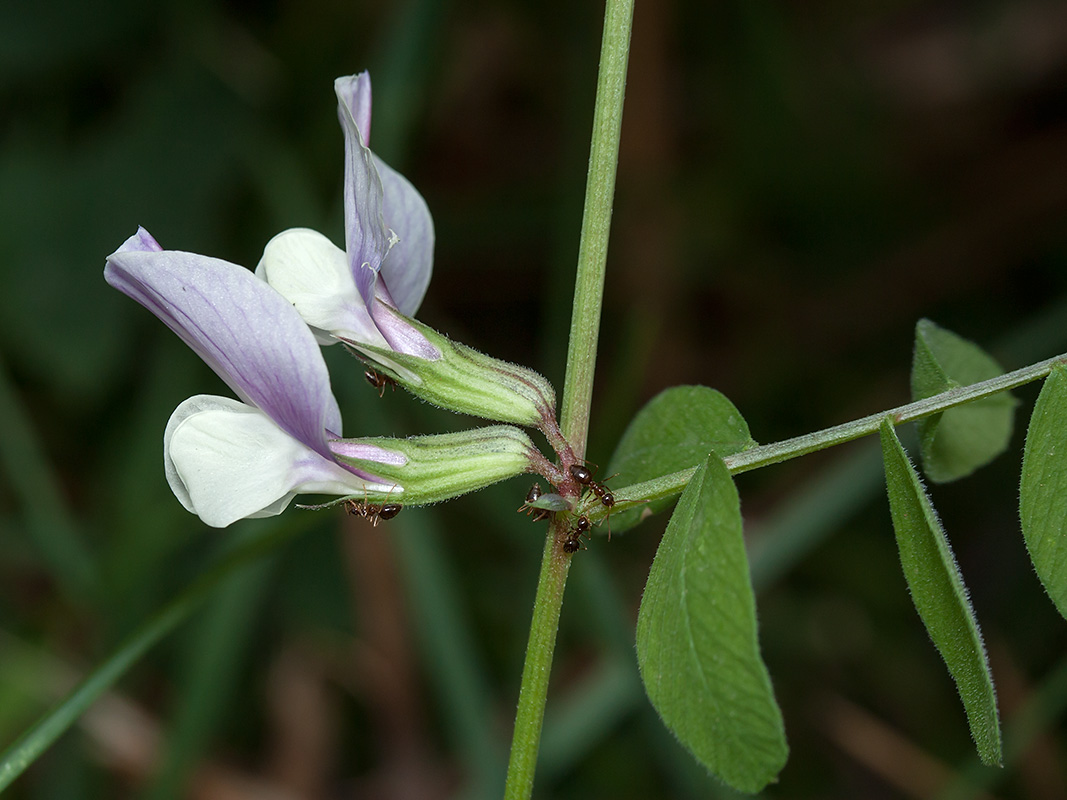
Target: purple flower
[227, 459]
[388, 255]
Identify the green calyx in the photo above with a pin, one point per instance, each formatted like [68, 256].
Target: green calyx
[430, 469]
[468, 382]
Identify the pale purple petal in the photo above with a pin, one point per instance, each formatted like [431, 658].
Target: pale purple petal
[401, 335]
[142, 241]
[356, 94]
[353, 448]
[243, 329]
[406, 269]
[366, 237]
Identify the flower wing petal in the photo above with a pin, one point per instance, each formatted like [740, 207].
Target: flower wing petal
[247, 332]
[226, 461]
[407, 267]
[312, 273]
[366, 237]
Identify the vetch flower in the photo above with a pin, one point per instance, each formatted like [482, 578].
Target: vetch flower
[227, 459]
[365, 295]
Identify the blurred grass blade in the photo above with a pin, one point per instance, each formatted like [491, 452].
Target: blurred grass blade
[697, 643]
[586, 716]
[811, 513]
[960, 440]
[25, 750]
[447, 641]
[54, 532]
[939, 595]
[214, 655]
[674, 431]
[1043, 488]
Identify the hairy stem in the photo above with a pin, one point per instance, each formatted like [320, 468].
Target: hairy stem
[577, 390]
[672, 485]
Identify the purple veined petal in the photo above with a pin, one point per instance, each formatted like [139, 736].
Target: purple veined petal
[226, 461]
[312, 273]
[142, 241]
[354, 92]
[407, 267]
[366, 237]
[401, 335]
[368, 452]
[242, 328]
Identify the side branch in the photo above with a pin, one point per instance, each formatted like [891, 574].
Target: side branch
[671, 485]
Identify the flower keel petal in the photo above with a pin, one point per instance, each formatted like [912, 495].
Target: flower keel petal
[312, 273]
[226, 461]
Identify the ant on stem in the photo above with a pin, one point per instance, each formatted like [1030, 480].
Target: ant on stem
[584, 476]
[574, 537]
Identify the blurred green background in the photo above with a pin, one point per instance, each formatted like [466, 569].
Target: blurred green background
[799, 183]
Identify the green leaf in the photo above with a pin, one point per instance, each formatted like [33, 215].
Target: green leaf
[697, 645]
[674, 431]
[939, 594]
[1043, 489]
[957, 442]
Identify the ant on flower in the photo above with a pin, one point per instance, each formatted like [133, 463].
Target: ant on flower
[379, 381]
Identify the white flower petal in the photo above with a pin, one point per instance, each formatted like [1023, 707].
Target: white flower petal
[226, 460]
[313, 274]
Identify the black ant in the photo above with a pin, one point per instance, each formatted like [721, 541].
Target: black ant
[574, 537]
[531, 496]
[584, 476]
[379, 381]
[538, 513]
[374, 512]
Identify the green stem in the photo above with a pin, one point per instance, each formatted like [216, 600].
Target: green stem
[671, 485]
[596, 223]
[533, 692]
[578, 388]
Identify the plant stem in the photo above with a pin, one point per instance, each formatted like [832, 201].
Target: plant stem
[578, 388]
[596, 223]
[671, 485]
[533, 692]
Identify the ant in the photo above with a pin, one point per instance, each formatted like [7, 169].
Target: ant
[374, 512]
[538, 513]
[574, 537]
[584, 476]
[379, 381]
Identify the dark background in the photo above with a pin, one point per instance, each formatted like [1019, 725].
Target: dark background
[799, 183]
